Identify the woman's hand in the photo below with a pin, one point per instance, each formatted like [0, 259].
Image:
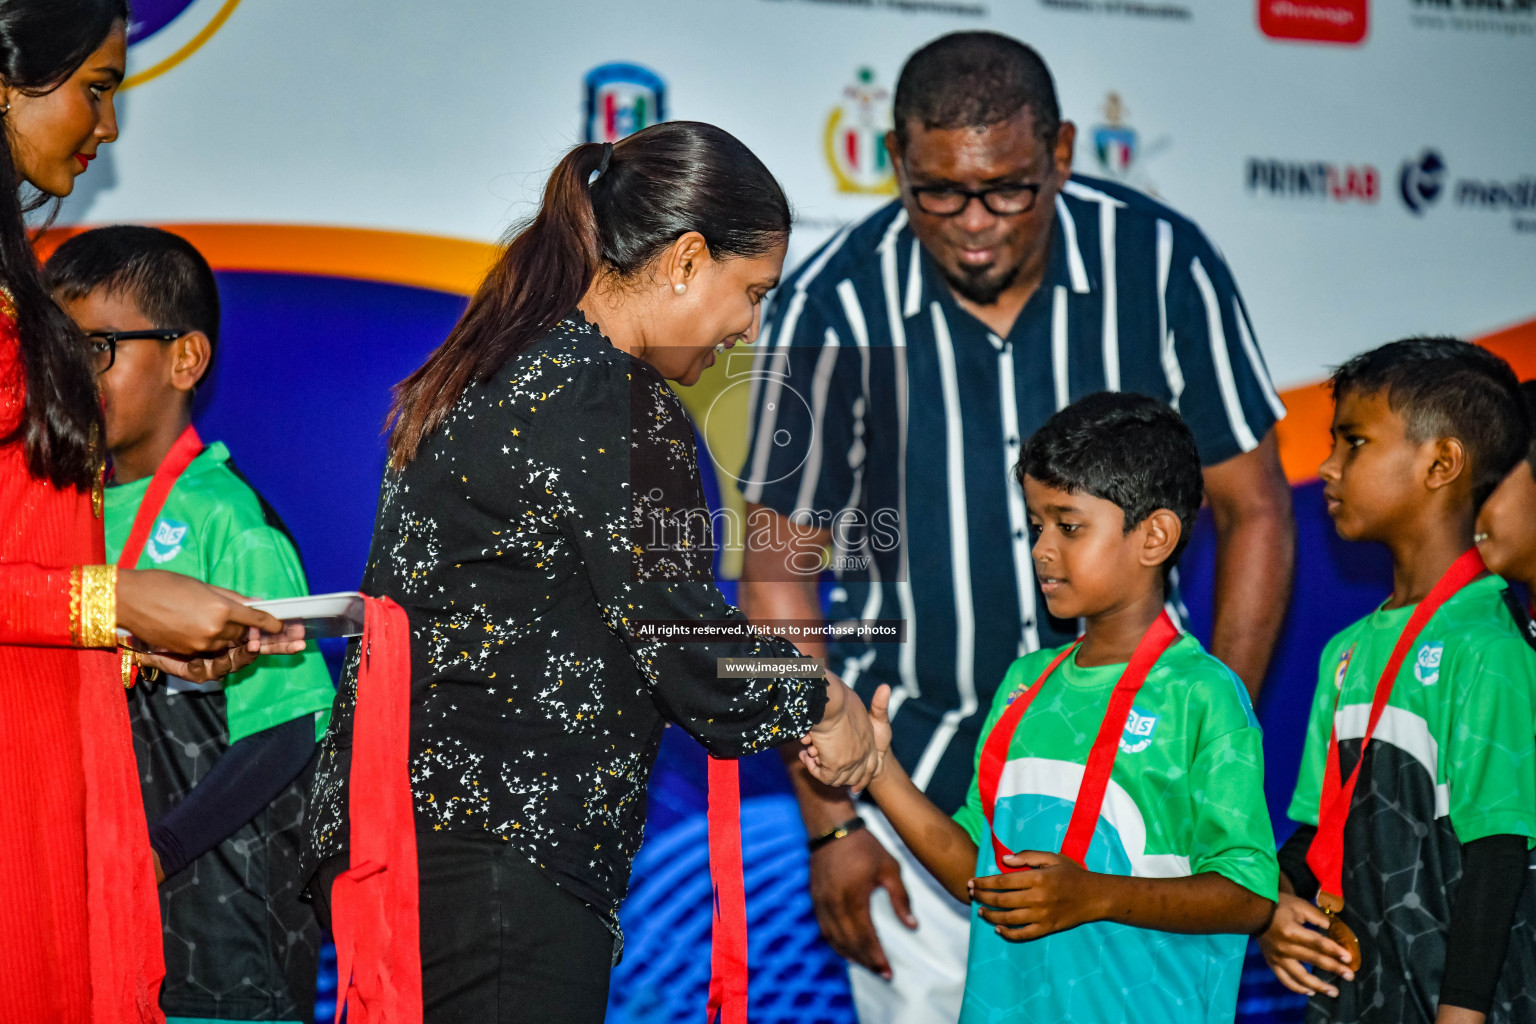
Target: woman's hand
[180, 615]
[840, 749]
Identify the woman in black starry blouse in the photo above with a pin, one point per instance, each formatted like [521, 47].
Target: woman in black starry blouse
[535, 509]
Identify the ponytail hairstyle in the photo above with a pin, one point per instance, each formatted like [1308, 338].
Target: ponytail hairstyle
[645, 193]
[43, 43]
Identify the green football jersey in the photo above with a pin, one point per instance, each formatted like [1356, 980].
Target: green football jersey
[240, 945]
[1452, 760]
[1186, 796]
[214, 527]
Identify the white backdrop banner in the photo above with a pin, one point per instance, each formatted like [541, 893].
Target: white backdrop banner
[1367, 166]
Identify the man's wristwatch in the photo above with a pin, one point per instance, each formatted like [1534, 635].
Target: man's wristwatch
[850, 826]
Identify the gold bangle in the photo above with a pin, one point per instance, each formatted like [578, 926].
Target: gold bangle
[93, 605]
[74, 606]
[130, 662]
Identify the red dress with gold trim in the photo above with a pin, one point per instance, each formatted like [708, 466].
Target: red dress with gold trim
[79, 922]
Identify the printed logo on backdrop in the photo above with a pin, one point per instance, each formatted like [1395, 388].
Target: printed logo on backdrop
[150, 16]
[855, 138]
[1503, 17]
[1118, 148]
[163, 33]
[1420, 181]
[622, 99]
[1314, 181]
[955, 8]
[1138, 732]
[1154, 10]
[1425, 179]
[1315, 21]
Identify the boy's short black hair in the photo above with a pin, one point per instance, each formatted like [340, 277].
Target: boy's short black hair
[164, 275]
[1447, 387]
[974, 80]
[1125, 448]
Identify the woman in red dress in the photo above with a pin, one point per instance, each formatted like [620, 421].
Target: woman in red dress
[79, 922]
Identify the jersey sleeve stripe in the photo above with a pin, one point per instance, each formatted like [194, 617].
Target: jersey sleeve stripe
[1221, 360]
[1172, 371]
[1260, 371]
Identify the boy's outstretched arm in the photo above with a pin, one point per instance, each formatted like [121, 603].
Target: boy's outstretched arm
[1057, 894]
[943, 847]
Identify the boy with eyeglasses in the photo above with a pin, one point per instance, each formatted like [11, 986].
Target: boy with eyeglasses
[223, 769]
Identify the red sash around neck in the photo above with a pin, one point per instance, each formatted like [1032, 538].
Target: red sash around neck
[1101, 757]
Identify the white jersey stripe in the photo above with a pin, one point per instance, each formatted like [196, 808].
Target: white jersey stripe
[1223, 361]
[1081, 191]
[821, 379]
[1260, 371]
[914, 303]
[1172, 371]
[1059, 366]
[1075, 268]
[903, 583]
[1063, 780]
[1404, 730]
[959, 554]
[1018, 518]
[1111, 335]
[772, 383]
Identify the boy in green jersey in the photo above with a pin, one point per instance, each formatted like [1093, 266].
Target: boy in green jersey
[222, 767]
[1151, 926]
[1506, 528]
[1435, 847]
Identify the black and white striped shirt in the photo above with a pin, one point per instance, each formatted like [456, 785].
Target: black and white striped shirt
[883, 410]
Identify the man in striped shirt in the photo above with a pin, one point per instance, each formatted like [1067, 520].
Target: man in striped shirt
[898, 372]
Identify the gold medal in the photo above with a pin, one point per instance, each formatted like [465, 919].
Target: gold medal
[1345, 936]
[1338, 931]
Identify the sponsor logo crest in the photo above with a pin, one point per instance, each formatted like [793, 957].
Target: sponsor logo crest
[855, 138]
[1426, 667]
[1138, 732]
[165, 540]
[1421, 181]
[621, 100]
[1342, 669]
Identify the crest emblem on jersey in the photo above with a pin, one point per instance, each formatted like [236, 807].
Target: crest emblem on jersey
[165, 542]
[1426, 667]
[1342, 669]
[1138, 732]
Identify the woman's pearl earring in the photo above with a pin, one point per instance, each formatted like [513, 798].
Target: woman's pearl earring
[679, 288]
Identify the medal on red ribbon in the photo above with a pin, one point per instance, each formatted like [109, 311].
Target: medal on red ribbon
[1325, 856]
[1101, 757]
[187, 447]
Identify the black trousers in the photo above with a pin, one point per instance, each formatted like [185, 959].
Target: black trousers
[500, 943]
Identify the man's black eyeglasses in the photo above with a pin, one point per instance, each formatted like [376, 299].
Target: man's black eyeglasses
[1000, 201]
[102, 345]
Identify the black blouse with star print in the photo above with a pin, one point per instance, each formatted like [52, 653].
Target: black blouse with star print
[532, 536]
